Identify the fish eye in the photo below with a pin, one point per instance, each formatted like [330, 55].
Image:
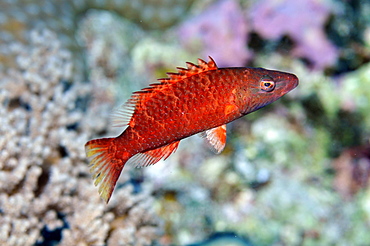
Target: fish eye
[267, 84]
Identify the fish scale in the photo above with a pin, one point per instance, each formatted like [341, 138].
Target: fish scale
[199, 99]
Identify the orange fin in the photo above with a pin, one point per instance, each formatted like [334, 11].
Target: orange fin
[216, 138]
[191, 70]
[151, 157]
[124, 114]
[105, 168]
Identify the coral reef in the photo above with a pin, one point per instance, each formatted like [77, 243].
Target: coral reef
[296, 172]
[352, 171]
[273, 19]
[46, 192]
[18, 17]
[220, 31]
[274, 181]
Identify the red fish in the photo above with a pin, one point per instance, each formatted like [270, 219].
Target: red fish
[198, 99]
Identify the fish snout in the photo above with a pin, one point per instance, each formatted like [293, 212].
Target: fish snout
[294, 81]
[290, 81]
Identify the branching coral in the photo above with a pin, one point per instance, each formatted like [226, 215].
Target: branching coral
[46, 193]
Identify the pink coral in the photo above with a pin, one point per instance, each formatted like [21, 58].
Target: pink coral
[222, 33]
[303, 21]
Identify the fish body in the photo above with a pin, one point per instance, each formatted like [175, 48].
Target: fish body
[198, 99]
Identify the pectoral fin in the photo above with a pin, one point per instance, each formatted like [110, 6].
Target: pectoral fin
[216, 137]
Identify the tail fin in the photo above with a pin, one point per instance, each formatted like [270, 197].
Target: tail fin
[104, 166]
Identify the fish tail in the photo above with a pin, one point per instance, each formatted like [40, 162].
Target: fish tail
[105, 167]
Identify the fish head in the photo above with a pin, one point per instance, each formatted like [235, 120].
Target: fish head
[265, 86]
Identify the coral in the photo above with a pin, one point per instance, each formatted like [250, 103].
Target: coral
[46, 193]
[353, 97]
[272, 19]
[152, 58]
[349, 29]
[352, 171]
[155, 14]
[109, 54]
[290, 173]
[220, 239]
[20, 16]
[221, 31]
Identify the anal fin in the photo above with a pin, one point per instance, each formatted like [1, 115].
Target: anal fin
[151, 157]
[216, 137]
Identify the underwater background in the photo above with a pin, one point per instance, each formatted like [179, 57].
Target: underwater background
[293, 173]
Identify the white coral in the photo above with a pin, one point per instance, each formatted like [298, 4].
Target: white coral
[45, 184]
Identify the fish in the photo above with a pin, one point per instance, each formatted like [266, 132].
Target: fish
[200, 98]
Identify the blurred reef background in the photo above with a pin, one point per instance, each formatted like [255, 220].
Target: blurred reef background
[294, 173]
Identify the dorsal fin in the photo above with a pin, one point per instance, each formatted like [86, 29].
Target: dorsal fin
[123, 115]
[191, 70]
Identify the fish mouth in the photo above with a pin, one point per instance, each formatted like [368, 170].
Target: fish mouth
[295, 81]
[291, 82]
